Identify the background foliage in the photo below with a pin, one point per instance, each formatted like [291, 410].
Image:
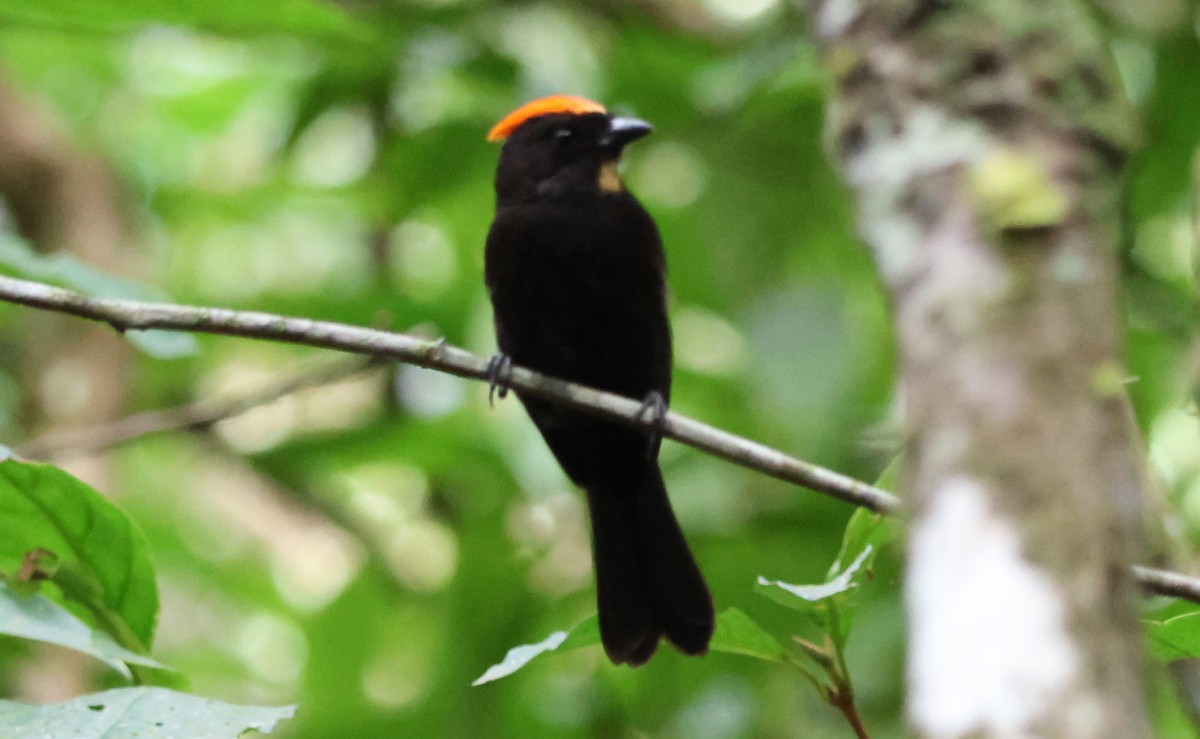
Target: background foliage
[367, 549]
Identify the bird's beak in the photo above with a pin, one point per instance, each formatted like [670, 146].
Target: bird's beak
[622, 131]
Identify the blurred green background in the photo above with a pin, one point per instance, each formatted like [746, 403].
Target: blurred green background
[369, 547]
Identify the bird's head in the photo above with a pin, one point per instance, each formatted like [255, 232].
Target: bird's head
[561, 146]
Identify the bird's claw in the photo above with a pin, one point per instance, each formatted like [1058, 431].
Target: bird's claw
[499, 372]
[652, 413]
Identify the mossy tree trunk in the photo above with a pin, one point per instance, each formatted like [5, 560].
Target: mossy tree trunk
[984, 142]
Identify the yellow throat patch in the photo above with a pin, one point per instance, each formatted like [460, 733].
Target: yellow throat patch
[610, 180]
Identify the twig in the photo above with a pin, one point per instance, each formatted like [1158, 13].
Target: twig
[199, 415]
[842, 698]
[132, 315]
[841, 695]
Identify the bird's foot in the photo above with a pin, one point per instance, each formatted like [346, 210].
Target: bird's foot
[499, 372]
[652, 413]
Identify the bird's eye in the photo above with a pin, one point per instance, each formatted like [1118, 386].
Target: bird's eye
[563, 135]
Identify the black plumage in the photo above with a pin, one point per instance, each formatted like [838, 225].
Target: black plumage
[575, 268]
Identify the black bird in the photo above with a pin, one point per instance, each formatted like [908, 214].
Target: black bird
[575, 268]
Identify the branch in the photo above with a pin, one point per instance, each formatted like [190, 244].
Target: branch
[1165, 582]
[132, 315]
[193, 416]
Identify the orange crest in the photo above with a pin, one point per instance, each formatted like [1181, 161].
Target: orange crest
[542, 106]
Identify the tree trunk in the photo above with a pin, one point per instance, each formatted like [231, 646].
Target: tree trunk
[984, 142]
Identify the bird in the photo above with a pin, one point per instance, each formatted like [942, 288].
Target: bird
[576, 271]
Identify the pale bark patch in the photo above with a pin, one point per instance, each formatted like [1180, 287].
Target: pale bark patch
[836, 16]
[931, 142]
[990, 651]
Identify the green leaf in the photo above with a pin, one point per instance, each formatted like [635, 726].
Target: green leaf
[802, 597]
[146, 712]
[1175, 638]
[38, 618]
[104, 560]
[16, 257]
[889, 479]
[864, 529]
[1162, 608]
[737, 633]
[585, 634]
[518, 657]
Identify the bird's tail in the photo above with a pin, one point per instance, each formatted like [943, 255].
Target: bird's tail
[647, 582]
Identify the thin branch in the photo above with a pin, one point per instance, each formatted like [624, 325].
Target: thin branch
[1165, 582]
[842, 698]
[198, 415]
[132, 315]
